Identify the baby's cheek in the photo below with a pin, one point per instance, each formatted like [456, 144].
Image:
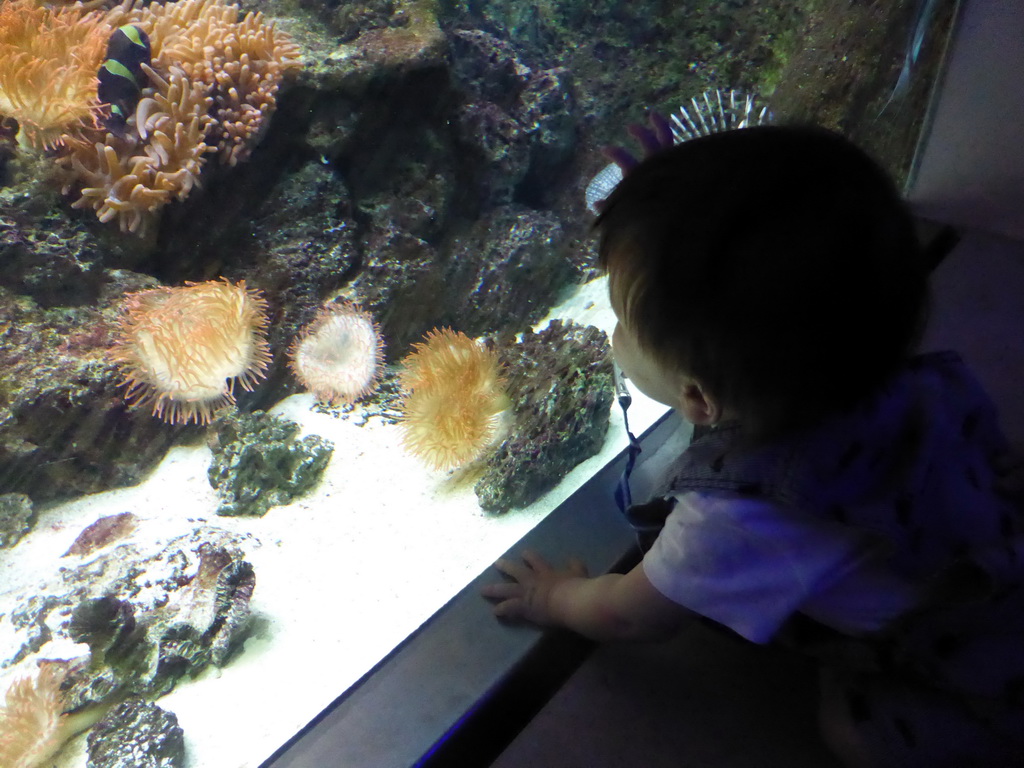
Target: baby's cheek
[617, 343]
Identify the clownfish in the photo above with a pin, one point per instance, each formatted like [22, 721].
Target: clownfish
[121, 76]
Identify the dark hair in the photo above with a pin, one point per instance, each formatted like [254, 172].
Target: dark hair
[776, 265]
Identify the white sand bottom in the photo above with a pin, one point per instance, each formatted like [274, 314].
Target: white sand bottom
[343, 575]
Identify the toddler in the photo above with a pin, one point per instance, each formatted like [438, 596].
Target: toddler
[843, 499]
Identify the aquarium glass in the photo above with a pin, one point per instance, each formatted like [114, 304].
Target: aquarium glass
[300, 323]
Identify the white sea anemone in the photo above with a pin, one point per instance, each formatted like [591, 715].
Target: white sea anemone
[338, 356]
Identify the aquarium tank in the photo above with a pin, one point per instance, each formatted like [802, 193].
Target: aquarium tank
[300, 323]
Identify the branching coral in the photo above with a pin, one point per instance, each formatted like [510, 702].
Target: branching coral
[182, 349]
[338, 355]
[454, 397]
[33, 725]
[48, 63]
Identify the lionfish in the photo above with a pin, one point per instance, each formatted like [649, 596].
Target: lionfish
[712, 112]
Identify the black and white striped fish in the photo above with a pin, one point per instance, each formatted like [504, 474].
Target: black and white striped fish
[121, 76]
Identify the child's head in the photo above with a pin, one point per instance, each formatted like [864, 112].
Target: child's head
[775, 266]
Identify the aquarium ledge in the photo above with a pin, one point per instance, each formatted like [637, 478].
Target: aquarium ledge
[457, 691]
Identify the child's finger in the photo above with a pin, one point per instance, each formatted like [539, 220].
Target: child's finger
[502, 591]
[511, 568]
[535, 561]
[577, 567]
[513, 608]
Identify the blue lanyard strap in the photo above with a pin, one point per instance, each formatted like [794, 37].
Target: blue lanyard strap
[623, 495]
[648, 519]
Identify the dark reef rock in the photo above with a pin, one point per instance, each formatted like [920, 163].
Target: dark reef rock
[258, 463]
[507, 271]
[64, 426]
[351, 19]
[516, 122]
[102, 532]
[204, 622]
[16, 518]
[137, 734]
[561, 384]
[428, 147]
[47, 252]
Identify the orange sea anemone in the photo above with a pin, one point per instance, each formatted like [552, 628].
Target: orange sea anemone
[239, 61]
[133, 184]
[454, 397]
[338, 355]
[33, 726]
[48, 63]
[182, 349]
[210, 87]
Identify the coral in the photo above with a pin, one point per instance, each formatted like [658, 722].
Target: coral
[199, 616]
[338, 355]
[33, 725]
[454, 396]
[258, 463]
[137, 734]
[48, 63]
[182, 349]
[561, 386]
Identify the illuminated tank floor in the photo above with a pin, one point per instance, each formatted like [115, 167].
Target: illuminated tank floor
[342, 576]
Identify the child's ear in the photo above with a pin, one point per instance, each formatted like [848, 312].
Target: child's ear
[698, 405]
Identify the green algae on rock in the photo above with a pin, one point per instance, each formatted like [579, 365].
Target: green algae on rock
[561, 383]
[258, 463]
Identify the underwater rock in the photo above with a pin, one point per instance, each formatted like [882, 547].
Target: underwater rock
[384, 40]
[216, 604]
[507, 271]
[147, 652]
[45, 251]
[30, 619]
[518, 122]
[64, 426]
[348, 20]
[561, 384]
[402, 287]
[137, 734]
[258, 463]
[102, 532]
[16, 518]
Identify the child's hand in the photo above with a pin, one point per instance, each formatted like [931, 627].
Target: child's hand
[527, 595]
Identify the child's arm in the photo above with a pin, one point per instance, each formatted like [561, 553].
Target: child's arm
[611, 607]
